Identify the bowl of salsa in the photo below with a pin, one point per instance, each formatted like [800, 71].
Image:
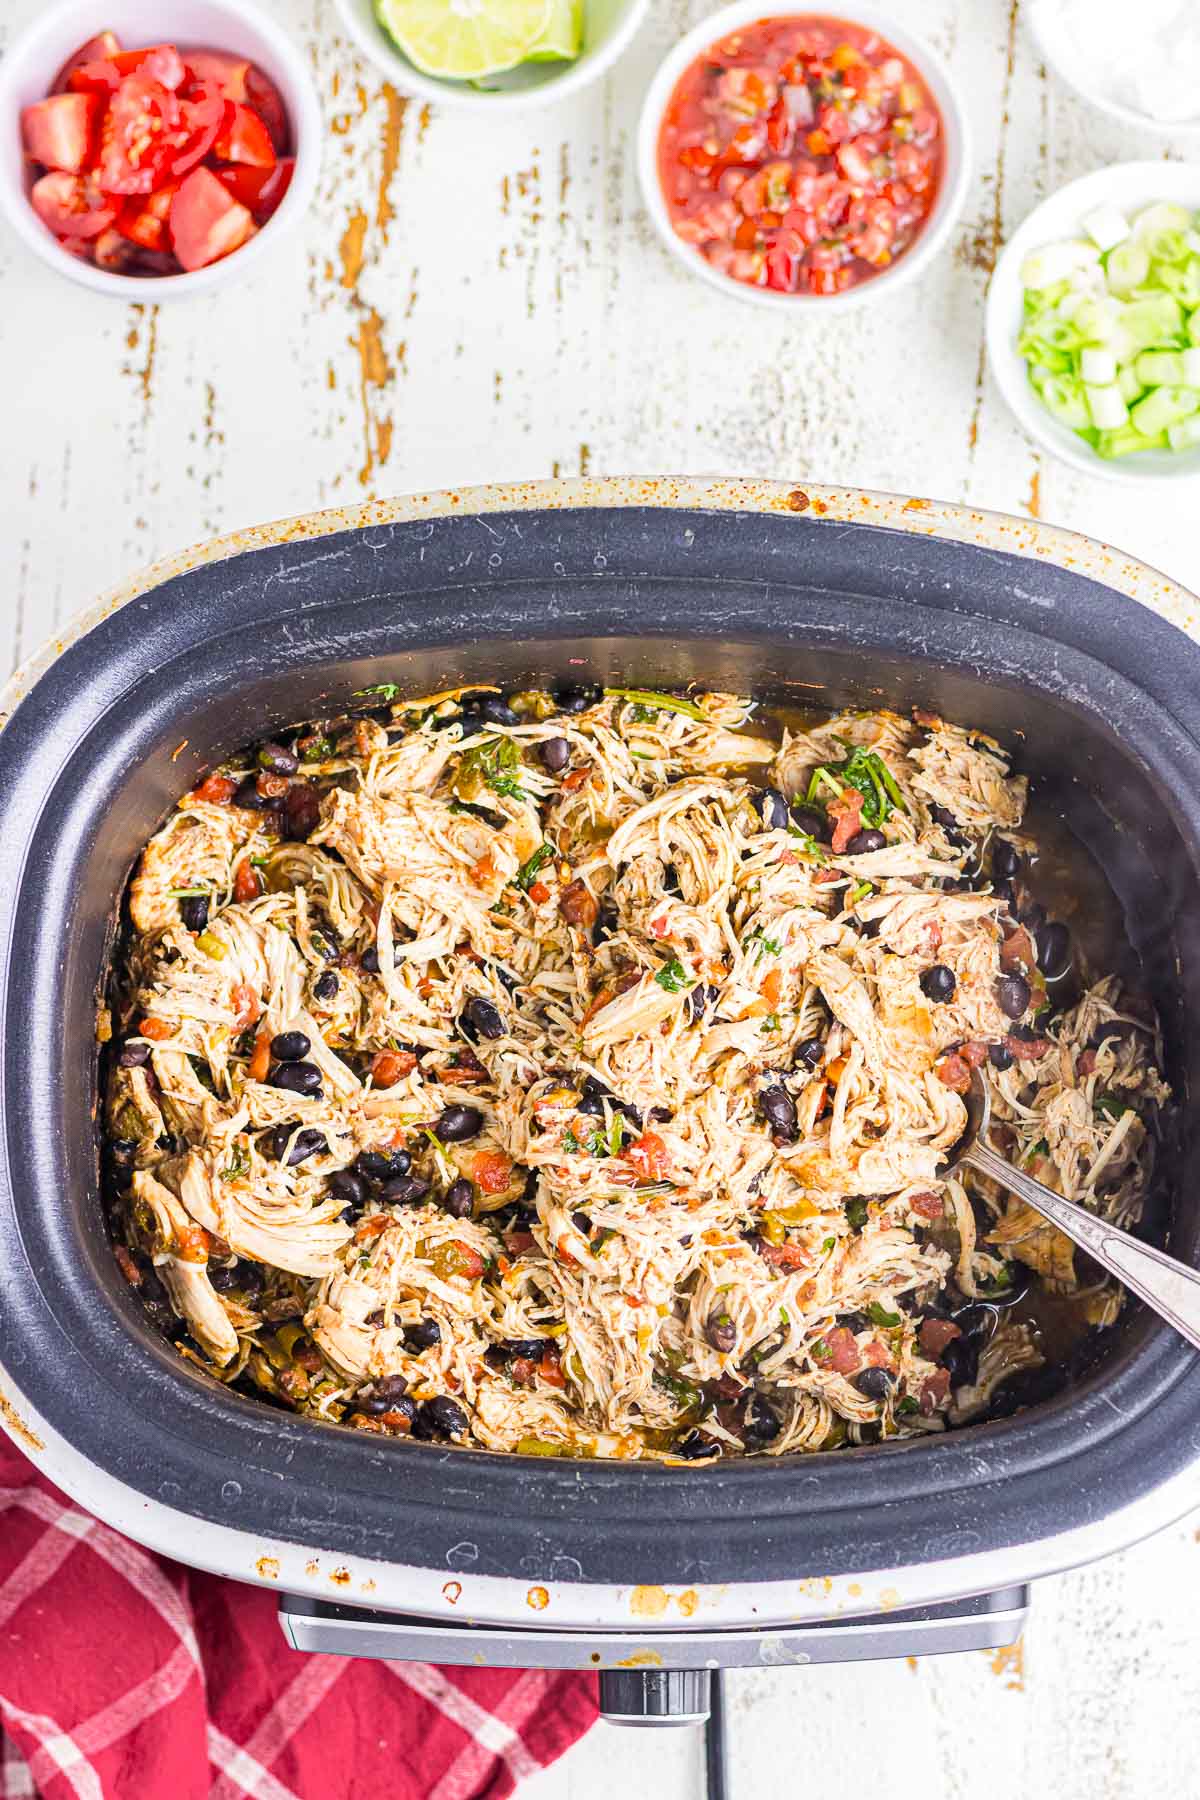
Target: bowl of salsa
[803, 159]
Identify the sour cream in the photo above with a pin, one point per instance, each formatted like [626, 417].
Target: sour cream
[1148, 61]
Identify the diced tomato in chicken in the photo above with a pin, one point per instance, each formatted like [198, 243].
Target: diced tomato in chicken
[934, 1390]
[649, 1156]
[492, 1171]
[391, 1066]
[927, 1206]
[844, 1357]
[935, 1334]
[846, 812]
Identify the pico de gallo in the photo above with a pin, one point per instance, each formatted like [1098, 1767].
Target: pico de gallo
[801, 154]
[155, 161]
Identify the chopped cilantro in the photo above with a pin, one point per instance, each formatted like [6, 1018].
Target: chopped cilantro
[867, 772]
[783, 1316]
[673, 977]
[1109, 1107]
[907, 1405]
[856, 1212]
[643, 697]
[879, 1315]
[239, 1164]
[998, 1284]
[318, 750]
[864, 888]
[763, 945]
[570, 1142]
[383, 690]
[770, 1023]
[829, 1243]
[527, 874]
[495, 761]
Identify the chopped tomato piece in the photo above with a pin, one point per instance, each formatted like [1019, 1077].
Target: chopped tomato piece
[201, 114]
[391, 1066]
[846, 812]
[138, 136]
[843, 1356]
[226, 73]
[457, 1258]
[206, 221]
[243, 138]
[935, 1334]
[1017, 951]
[550, 1369]
[878, 1355]
[784, 1256]
[262, 190]
[955, 1073]
[247, 883]
[260, 1063]
[58, 132]
[1085, 1063]
[112, 250]
[928, 1206]
[155, 1029]
[934, 1390]
[144, 220]
[649, 1156]
[575, 779]
[771, 986]
[160, 62]
[246, 1005]
[265, 98]
[370, 1228]
[539, 893]
[105, 45]
[1027, 1049]
[65, 203]
[492, 1171]
[578, 906]
[216, 790]
[192, 1242]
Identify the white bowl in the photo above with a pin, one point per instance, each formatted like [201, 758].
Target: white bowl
[1127, 186]
[609, 27]
[1056, 53]
[34, 59]
[956, 152]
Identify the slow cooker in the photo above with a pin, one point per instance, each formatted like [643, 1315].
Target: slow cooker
[1074, 653]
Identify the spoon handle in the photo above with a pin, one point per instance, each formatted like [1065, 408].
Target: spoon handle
[1169, 1286]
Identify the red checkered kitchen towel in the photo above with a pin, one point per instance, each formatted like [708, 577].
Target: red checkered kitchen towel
[124, 1676]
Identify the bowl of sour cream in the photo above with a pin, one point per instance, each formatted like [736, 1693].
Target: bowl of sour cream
[1088, 45]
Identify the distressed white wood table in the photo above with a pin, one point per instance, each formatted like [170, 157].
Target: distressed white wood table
[466, 305]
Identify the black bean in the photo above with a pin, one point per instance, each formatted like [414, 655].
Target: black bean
[389, 1387]
[591, 1105]
[297, 1078]
[440, 1417]
[458, 1124]
[941, 815]
[223, 1279]
[377, 1403]
[134, 1056]
[123, 1150]
[938, 984]
[721, 1332]
[556, 754]
[459, 1199]
[309, 1142]
[349, 1188]
[399, 1162]
[854, 1321]
[496, 711]
[1032, 915]
[172, 1143]
[247, 796]
[761, 1424]
[374, 1165]
[1053, 948]
[1013, 995]
[1006, 859]
[423, 1336]
[290, 1046]
[779, 1110]
[700, 1000]
[403, 1190]
[812, 823]
[574, 699]
[864, 841]
[326, 986]
[194, 911]
[874, 1384]
[582, 1223]
[302, 810]
[1000, 1056]
[370, 960]
[531, 1349]
[660, 1114]
[608, 920]
[483, 1016]
[670, 881]
[961, 1358]
[771, 807]
[278, 759]
[810, 1053]
[694, 1446]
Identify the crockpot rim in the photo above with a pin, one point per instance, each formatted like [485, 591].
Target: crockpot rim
[644, 1480]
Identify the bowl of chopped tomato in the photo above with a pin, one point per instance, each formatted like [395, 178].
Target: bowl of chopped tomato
[153, 150]
[803, 159]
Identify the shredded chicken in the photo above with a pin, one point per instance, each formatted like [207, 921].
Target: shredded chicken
[580, 1080]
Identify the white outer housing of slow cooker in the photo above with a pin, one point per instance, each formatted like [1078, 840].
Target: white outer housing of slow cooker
[453, 1594]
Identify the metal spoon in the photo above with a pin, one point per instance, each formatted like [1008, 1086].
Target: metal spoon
[1168, 1286]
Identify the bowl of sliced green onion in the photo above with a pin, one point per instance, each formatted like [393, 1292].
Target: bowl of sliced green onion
[1093, 322]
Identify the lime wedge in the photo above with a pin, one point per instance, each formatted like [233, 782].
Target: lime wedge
[562, 40]
[464, 39]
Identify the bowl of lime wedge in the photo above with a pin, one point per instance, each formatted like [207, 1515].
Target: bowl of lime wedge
[495, 55]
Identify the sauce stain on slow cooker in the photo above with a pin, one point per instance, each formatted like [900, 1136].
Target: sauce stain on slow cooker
[648, 1602]
[268, 1567]
[538, 1599]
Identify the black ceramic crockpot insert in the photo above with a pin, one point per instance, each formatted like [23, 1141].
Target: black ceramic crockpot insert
[1100, 696]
